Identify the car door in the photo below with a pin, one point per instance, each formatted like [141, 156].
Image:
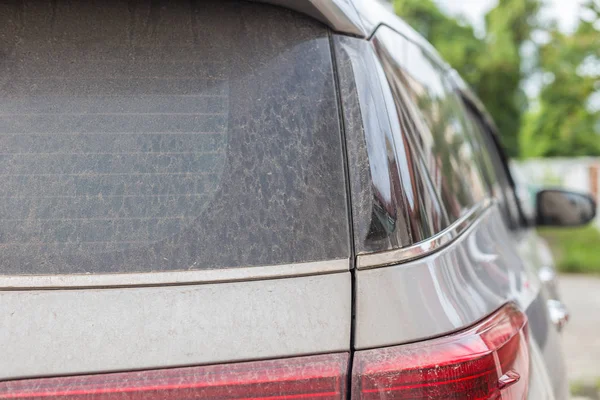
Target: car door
[532, 251]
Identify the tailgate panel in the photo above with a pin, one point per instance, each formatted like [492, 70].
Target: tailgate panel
[61, 332]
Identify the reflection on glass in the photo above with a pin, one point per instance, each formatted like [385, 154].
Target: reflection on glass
[563, 208]
[378, 198]
[425, 215]
[442, 133]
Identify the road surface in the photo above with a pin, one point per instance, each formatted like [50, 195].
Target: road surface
[581, 336]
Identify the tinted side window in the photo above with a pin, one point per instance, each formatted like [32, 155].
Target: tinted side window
[495, 170]
[378, 201]
[440, 121]
[167, 135]
[394, 203]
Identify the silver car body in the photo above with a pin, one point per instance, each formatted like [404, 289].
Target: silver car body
[78, 324]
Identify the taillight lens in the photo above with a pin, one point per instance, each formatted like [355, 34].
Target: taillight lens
[315, 377]
[487, 361]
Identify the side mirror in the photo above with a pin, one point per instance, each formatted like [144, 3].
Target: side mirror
[557, 207]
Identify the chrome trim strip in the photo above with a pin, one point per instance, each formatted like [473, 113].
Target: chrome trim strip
[12, 282]
[426, 247]
[446, 291]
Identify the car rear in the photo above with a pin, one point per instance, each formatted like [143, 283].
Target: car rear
[173, 196]
[223, 200]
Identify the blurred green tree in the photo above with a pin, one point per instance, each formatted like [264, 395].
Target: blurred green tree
[453, 37]
[508, 26]
[490, 64]
[566, 120]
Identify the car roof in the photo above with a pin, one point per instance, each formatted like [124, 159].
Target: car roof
[361, 18]
[352, 17]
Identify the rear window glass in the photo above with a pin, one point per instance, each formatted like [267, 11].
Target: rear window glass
[153, 136]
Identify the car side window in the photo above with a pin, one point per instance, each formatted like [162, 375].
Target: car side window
[441, 131]
[378, 209]
[394, 203]
[495, 170]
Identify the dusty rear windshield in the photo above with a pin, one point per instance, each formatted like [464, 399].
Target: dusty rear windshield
[153, 136]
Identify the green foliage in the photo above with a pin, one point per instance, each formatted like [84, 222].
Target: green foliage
[508, 26]
[491, 65]
[563, 125]
[454, 38]
[585, 390]
[560, 124]
[575, 250]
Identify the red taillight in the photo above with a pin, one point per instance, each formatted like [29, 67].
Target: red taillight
[315, 377]
[488, 361]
